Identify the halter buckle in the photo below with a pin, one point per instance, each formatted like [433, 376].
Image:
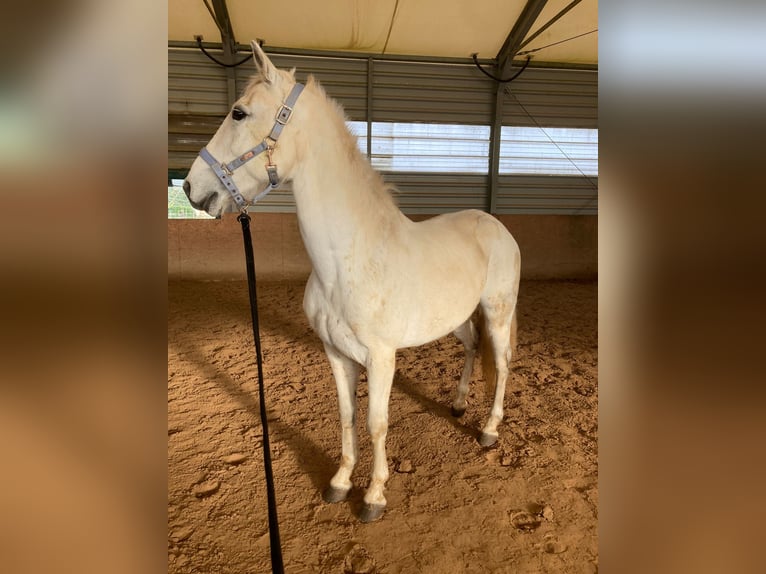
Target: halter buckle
[283, 114]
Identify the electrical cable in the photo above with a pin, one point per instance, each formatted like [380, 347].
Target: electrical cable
[475, 57]
[587, 178]
[202, 48]
[220, 29]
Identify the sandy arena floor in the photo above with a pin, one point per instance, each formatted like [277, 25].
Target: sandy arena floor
[528, 505]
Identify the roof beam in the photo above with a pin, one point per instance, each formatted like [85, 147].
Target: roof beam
[503, 61]
[520, 29]
[224, 25]
[229, 44]
[550, 22]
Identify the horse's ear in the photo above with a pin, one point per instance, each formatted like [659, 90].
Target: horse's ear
[262, 63]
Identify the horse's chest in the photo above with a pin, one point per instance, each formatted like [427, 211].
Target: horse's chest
[330, 325]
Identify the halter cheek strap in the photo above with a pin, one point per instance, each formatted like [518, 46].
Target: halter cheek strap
[224, 171]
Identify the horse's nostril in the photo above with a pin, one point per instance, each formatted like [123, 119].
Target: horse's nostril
[187, 187]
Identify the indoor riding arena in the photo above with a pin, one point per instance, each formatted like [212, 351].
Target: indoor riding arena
[512, 132]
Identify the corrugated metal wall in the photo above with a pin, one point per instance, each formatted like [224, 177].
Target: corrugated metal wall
[550, 98]
[553, 194]
[554, 98]
[405, 92]
[433, 93]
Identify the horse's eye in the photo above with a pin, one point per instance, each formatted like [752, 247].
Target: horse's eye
[237, 114]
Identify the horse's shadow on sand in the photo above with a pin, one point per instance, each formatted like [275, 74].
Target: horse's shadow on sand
[406, 385]
[288, 320]
[315, 462]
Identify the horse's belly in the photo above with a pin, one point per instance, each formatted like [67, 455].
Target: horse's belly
[436, 322]
[440, 303]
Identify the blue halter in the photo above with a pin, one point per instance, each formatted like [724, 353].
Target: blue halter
[224, 171]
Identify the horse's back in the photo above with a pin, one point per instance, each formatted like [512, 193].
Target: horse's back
[479, 230]
[469, 256]
[497, 244]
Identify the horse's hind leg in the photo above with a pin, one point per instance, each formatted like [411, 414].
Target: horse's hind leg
[499, 320]
[469, 337]
[346, 373]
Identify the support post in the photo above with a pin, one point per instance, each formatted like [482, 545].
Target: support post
[369, 107]
[504, 61]
[494, 148]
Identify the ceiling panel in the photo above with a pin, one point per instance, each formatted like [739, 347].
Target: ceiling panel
[581, 19]
[346, 25]
[187, 18]
[408, 27]
[452, 29]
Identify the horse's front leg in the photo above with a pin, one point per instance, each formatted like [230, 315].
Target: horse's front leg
[380, 374]
[346, 373]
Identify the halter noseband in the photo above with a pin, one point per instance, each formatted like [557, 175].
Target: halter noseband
[224, 171]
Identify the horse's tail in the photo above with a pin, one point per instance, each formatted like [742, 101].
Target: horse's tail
[489, 371]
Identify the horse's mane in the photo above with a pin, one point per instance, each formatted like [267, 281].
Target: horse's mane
[375, 188]
[358, 162]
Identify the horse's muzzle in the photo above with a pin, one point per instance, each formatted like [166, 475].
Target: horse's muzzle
[204, 205]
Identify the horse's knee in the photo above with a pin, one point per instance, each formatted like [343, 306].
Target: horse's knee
[377, 427]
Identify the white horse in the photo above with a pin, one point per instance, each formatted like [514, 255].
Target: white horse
[380, 281]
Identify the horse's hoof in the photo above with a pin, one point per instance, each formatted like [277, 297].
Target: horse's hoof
[487, 440]
[332, 494]
[457, 413]
[371, 512]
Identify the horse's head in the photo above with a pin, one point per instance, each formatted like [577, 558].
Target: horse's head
[250, 121]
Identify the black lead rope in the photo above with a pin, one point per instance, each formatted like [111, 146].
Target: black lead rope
[276, 547]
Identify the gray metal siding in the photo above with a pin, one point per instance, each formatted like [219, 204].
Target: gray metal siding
[187, 134]
[547, 194]
[405, 92]
[433, 93]
[195, 84]
[438, 193]
[554, 98]
[198, 86]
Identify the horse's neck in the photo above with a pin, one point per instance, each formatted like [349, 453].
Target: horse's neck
[339, 211]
